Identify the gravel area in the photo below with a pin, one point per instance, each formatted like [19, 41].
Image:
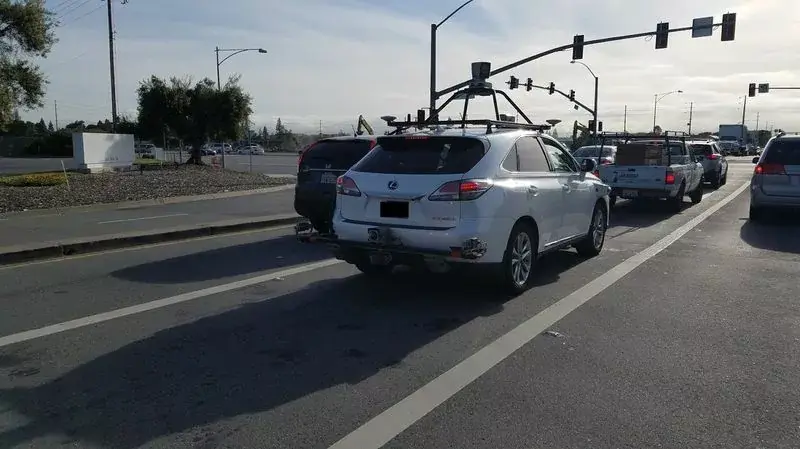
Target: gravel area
[85, 189]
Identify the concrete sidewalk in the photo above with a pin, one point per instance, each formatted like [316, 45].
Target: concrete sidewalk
[24, 252]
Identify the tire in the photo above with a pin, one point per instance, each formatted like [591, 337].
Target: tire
[374, 270]
[756, 214]
[676, 203]
[724, 179]
[716, 181]
[697, 195]
[592, 244]
[508, 279]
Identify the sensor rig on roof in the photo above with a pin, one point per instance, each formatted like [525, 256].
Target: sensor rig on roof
[478, 87]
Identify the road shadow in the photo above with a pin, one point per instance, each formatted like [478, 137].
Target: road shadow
[640, 214]
[778, 231]
[225, 262]
[244, 361]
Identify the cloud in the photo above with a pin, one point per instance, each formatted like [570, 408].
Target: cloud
[331, 61]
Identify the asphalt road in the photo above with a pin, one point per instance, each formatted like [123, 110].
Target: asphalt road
[270, 163]
[681, 334]
[48, 225]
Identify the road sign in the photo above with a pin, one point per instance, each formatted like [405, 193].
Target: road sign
[702, 27]
[763, 88]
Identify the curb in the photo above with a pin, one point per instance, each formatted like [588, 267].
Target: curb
[122, 205]
[53, 250]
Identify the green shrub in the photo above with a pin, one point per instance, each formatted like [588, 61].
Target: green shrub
[33, 180]
[56, 145]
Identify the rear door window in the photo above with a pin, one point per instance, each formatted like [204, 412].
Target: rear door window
[335, 154]
[422, 155]
[702, 149]
[784, 152]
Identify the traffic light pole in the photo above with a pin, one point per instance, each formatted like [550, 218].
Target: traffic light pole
[516, 64]
[594, 109]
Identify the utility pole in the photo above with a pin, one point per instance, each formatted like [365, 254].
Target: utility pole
[320, 129]
[55, 105]
[744, 111]
[625, 120]
[691, 110]
[758, 116]
[111, 66]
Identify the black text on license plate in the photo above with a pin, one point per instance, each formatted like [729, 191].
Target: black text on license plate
[394, 209]
[328, 178]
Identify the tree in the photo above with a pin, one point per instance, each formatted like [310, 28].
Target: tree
[26, 32]
[41, 127]
[193, 113]
[50, 127]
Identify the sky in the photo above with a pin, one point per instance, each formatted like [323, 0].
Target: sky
[327, 62]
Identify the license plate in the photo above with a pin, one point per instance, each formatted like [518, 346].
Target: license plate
[328, 178]
[380, 258]
[629, 194]
[394, 209]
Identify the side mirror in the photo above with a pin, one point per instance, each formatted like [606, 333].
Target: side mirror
[588, 165]
[755, 160]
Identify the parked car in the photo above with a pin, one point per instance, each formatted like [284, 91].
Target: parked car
[605, 156]
[715, 164]
[775, 183]
[318, 167]
[671, 174]
[494, 202]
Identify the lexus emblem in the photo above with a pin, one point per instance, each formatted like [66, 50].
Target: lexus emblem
[392, 185]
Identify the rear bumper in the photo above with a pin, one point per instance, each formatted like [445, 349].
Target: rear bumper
[636, 193]
[760, 199]
[472, 242]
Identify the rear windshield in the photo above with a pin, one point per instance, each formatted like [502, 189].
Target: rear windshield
[428, 155]
[786, 152]
[335, 154]
[592, 152]
[702, 149]
[675, 149]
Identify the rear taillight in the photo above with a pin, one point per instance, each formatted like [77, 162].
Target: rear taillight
[372, 144]
[465, 190]
[669, 178]
[346, 186]
[713, 157]
[596, 173]
[770, 169]
[606, 161]
[302, 154]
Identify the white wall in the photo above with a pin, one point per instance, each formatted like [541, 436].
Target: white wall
[101, 151]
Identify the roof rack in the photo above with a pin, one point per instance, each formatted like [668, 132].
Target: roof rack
[488, 123]
[479, 87]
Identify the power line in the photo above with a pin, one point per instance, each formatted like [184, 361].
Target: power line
[70, 10]
[86, 14]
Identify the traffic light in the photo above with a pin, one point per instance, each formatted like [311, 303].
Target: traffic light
[728, 26]
[529, 85]
[571, 95]
[577, 47]
[591, 125]
[552, 88]
[751, 90]
[662, 35]
[600, 126]
[513, 83]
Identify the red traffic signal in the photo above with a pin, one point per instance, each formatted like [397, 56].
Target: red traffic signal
[513, 83]
[529, 84]
[751, 90]
[552, 88]
[571, 95]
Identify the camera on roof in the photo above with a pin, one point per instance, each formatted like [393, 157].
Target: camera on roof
[481, 70]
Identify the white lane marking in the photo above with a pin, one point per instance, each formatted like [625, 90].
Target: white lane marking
[399, 417]
[154, 217]
[159, 303]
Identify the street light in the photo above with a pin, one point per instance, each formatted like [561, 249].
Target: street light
[233, 52]
[656, 99]
[596, 84]
[434, 27]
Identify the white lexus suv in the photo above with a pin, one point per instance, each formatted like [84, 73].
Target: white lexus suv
[496, 200]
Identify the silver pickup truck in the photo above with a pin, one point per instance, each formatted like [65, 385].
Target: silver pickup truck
[647, 170]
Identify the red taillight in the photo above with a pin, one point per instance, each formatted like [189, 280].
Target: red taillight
[302, 154]
[770, 169]
[606, 161]
[713, 157]
[346, 186]
[670, 178]
[461, 190]
[596, 173]
[372, 144]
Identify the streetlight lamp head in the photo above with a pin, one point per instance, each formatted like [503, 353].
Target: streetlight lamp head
[572, 62]
[261, 50]
[680, 91]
